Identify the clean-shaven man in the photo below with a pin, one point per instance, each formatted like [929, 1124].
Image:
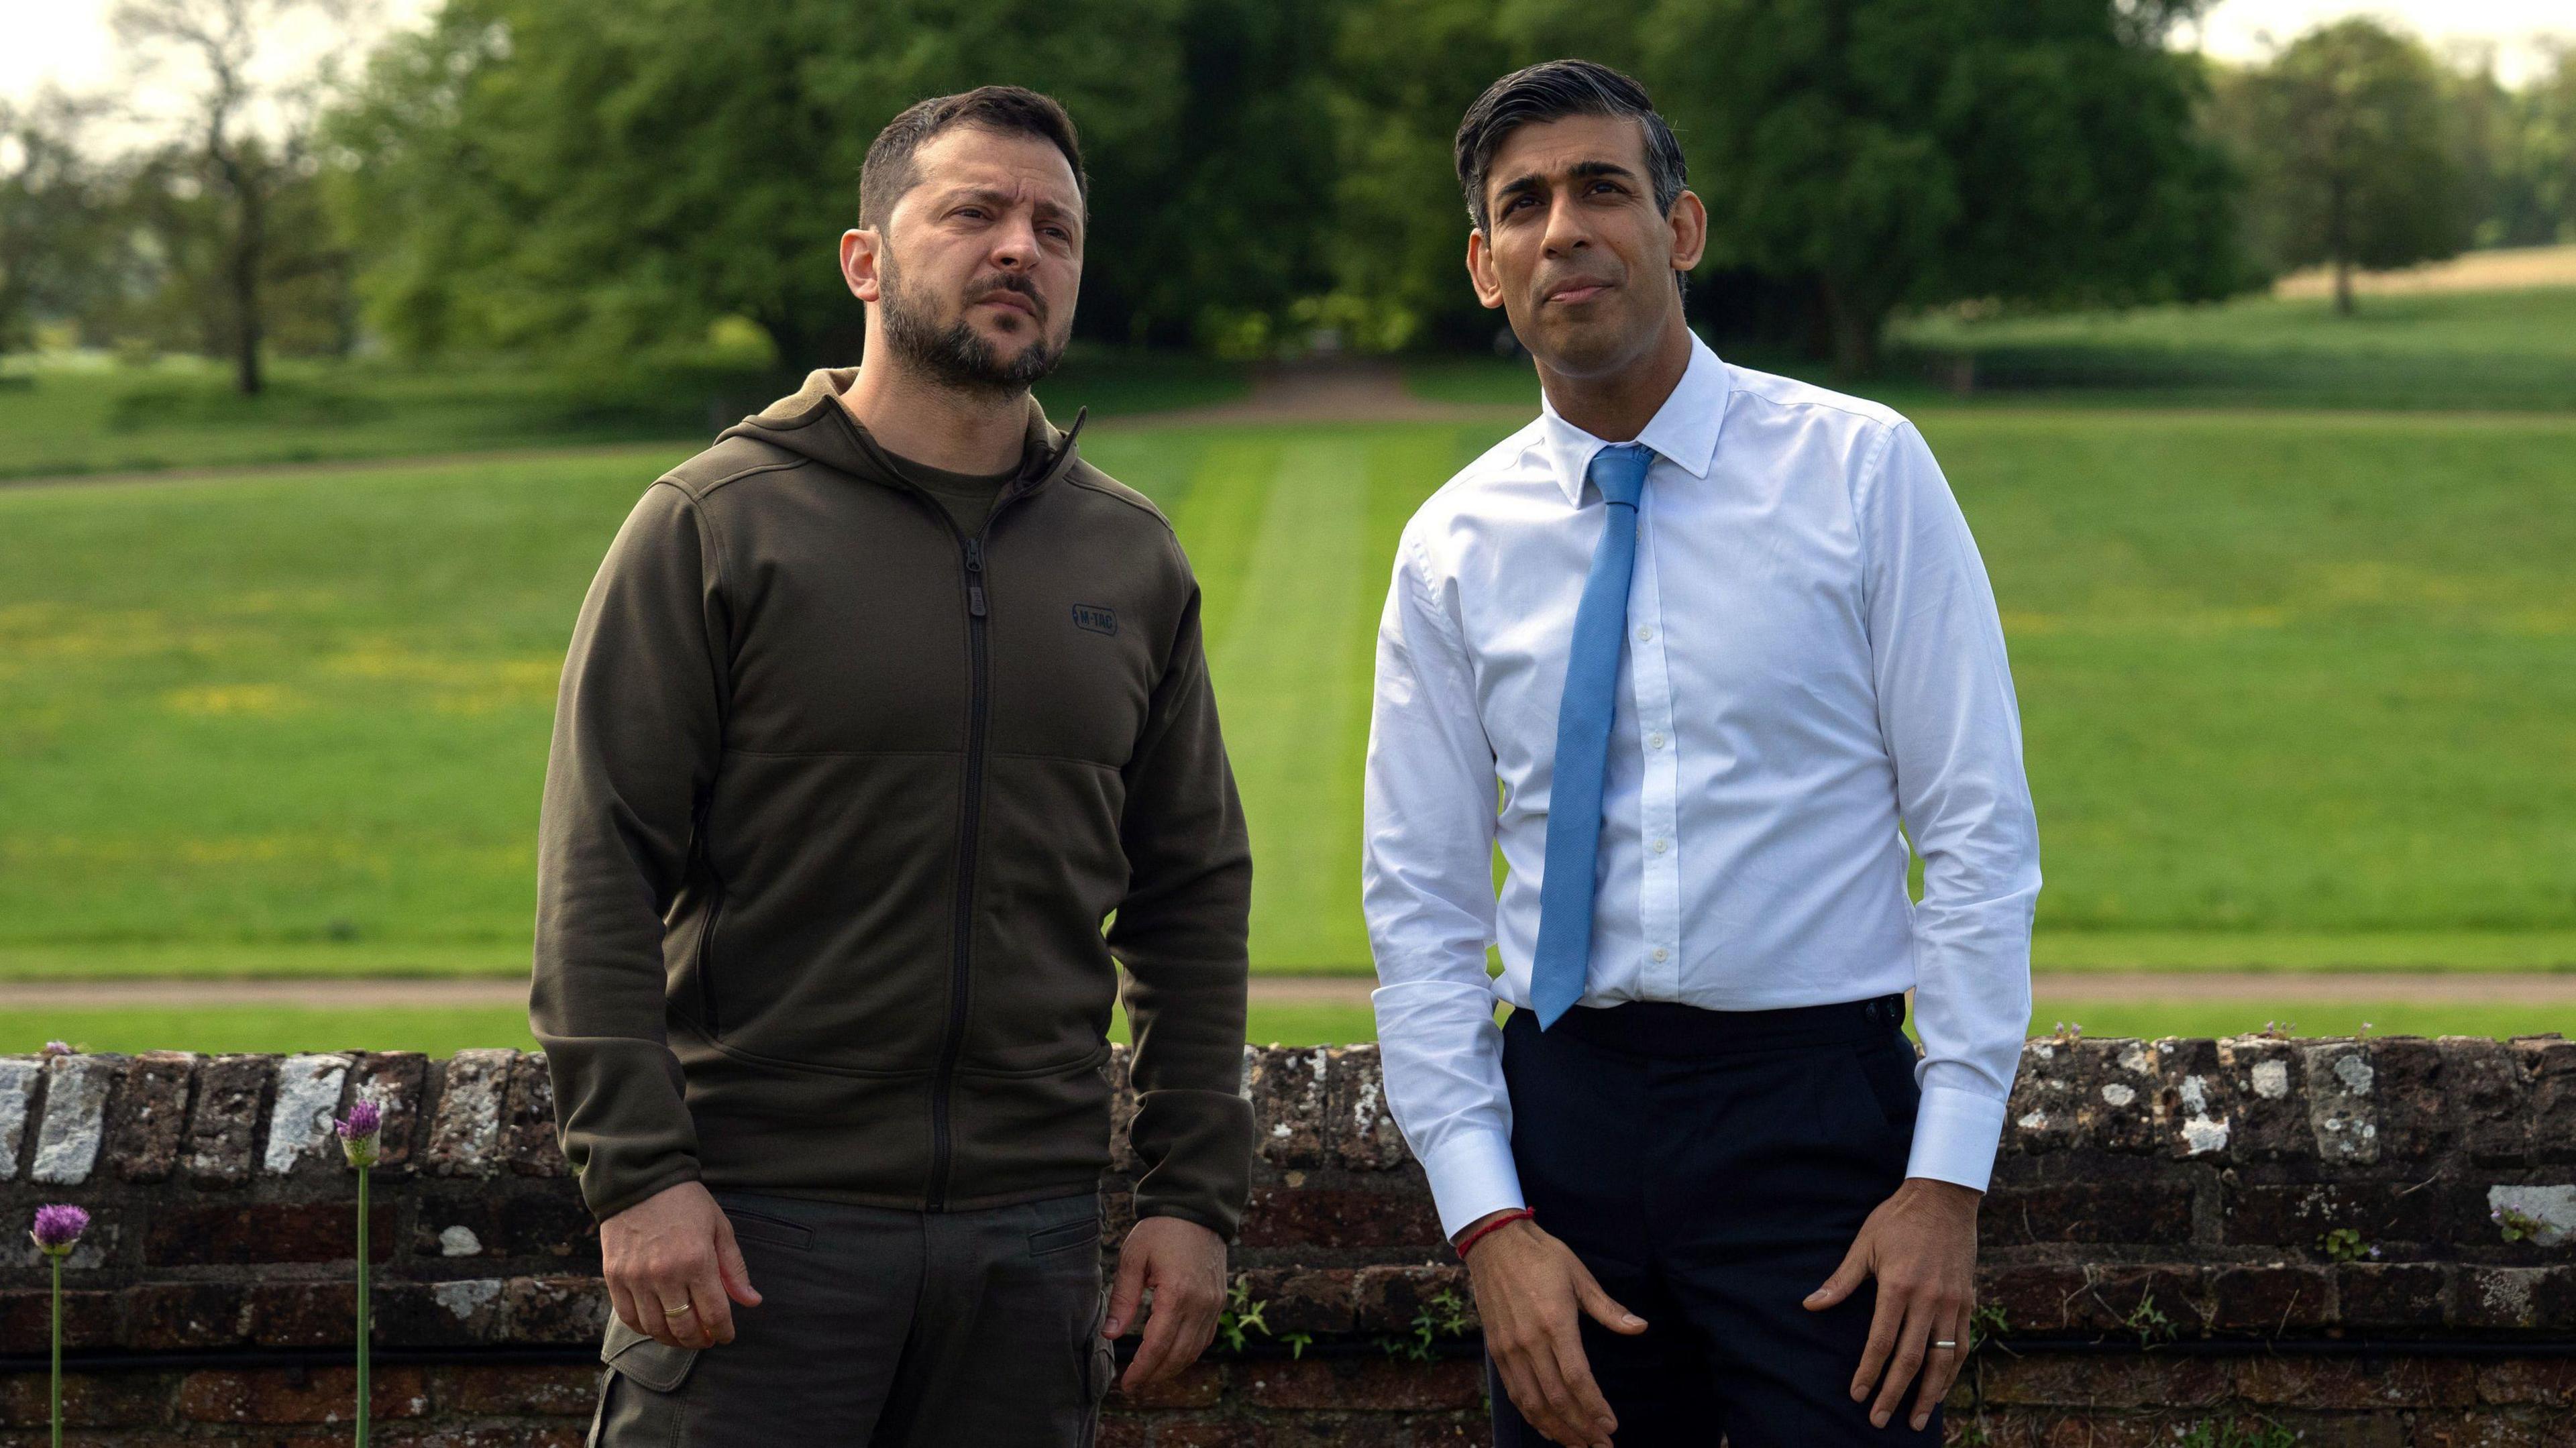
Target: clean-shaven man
[877, 708]
[1712, 635]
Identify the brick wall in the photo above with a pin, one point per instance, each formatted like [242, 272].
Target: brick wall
[2186, 1240]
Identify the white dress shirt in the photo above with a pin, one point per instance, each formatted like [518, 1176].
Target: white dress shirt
[1812, 657]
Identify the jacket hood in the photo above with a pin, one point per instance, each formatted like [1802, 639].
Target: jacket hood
[812, 422]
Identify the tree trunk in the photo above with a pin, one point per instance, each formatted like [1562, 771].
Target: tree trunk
[2339, 244]
[2343, 286]
[249, 249]
[1854, 326]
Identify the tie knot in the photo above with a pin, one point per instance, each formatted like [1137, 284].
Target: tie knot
[1619, 471]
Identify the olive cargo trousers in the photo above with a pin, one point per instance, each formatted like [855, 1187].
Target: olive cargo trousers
[881, 1328]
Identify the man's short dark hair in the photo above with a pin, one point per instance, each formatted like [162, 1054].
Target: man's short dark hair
[888, 171]
[1553, 90]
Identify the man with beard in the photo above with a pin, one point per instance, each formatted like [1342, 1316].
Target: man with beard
[876, 710]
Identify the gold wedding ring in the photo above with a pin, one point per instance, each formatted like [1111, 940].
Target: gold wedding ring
[670, 1311]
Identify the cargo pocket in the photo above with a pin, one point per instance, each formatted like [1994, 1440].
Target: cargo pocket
[652, 1417]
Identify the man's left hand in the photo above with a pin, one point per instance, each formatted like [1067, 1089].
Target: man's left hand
[1184, 1263]
[1921, 1245]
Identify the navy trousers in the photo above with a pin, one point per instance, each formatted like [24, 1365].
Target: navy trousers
[1711, 1168]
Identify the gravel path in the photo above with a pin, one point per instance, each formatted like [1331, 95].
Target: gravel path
[2451, 988]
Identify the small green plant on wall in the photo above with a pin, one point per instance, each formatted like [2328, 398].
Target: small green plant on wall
[1241, 1315]
[1444, 1312]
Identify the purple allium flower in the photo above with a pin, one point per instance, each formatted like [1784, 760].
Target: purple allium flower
[58, 1226]
[358, 1131]
[57, 1048]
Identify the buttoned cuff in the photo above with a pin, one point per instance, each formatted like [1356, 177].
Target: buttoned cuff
[1956, 1134]
[1472, 1175]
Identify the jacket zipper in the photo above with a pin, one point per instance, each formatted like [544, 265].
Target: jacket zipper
[706, 959]
[977, 707]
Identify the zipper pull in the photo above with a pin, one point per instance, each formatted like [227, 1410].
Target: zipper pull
[975, 577]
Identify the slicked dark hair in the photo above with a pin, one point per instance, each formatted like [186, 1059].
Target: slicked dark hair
[888, 172]
[1552, 90]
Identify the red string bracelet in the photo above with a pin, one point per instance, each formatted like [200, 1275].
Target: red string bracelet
[1505, 1219]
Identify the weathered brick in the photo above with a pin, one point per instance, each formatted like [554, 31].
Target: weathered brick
[2550, 1065]
[1361, 1383]
[311, 1395]
[2116, 1082]
[528, 1139]
[2266, 1078]
[205, 1235]
[1198, 1431]
[19, 1076]
[397, 1081]
[2503, 1296]
[89, 1318]
[2410, 1085]
[2379, 1296]
[472, 1223]
[2033, 1297]
[2486, 1086]
[473, 1099]
[1200, 1385]
[1389, 1298]
[2300, 1216]
[2065, 1380]
[1290, 1086]
[2194, 1099]
[553, 1309]
[1125, 1430]
[2310, 1381]
[2343, 1102]
[149, 1115]
[2042, 1112]
[1339, 1217]
[517, 1389]
[223, 1125]
[310, 1314]
[164, 1316]
[1303, 1299]
[301, 1138]
[75, 1122]
[2478, 1428]
[1363, 1132]
[90, 1400]
[2547, 1382]
[2270, 1297]
[2157, 1212]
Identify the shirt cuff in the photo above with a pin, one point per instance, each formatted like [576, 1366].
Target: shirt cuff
[1471, 1175]
[1956, 1134]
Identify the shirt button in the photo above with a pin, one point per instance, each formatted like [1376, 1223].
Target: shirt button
[1654, 741]
[1645, 631]
[1662, 954]
[1660, 846]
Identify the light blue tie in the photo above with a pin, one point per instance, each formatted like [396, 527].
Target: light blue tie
[1583, 738]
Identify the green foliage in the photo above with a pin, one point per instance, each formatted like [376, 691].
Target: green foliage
[2344, 1244]
[2359, 156]
[1985, 1324]
[1240, 1315]
[1443, 1313]
[2149, 1322]
[2230, 1433]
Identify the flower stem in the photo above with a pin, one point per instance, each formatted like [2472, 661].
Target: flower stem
[363, 1334]
[58, 1348]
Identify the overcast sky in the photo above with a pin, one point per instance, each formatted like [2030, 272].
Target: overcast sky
[68, 40]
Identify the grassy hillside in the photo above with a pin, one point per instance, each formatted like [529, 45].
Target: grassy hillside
[2294, 687]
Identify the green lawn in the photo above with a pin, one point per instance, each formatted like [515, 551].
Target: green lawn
[2469, 351]
[2295, 687]
[60, 418]
[443, 1032]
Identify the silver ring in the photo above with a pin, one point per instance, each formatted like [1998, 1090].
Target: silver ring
[1945, 1344]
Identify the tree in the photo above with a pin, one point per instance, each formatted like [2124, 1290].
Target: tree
[239, 174]
[55, 236]
[2357, 159]
[1919, 152]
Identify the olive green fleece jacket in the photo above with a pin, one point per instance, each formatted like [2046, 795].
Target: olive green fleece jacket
[838, 801]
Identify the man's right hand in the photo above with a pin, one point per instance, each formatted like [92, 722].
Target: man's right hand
[675, 1249]
[1531, 1292]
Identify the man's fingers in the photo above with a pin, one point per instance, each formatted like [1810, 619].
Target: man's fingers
[714, 1312]
[1162, 1329]
[1887, 1317]
[1551, 1408]
[623, 1303]
[1909, 1360]
[1846, 1279]
[1126, 1293]
[737, 1275]
[1589, 1414]
[1605, 1309]
[1941, 1367]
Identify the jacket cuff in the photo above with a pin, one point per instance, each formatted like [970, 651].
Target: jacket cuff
[1197, 1150]
[1472, 1174]
[614, 1196]
[1956, 1134]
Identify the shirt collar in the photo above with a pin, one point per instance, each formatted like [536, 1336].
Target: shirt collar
[1683, 431]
